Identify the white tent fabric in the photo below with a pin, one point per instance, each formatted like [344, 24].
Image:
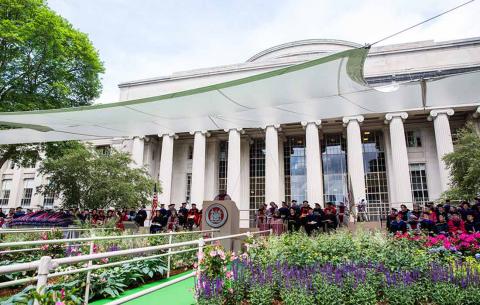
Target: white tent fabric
[328, 87]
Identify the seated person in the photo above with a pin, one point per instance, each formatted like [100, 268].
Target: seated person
[172, 224]
[293, 221]
[441, 227]
[330, 219]
[456, 224]
[284, 211]
[412, 224]
[426, 224]
[471, 226]
[398, 225]
[311, 223]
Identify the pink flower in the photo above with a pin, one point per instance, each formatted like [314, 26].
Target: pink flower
[229, 274]
[447, 244]
[62, 293]
[213, 253]
[195, 265]
[59, 303]
[200, 256]
[104, 260]
[221, 254]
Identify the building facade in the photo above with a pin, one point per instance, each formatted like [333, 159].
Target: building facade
[388, 158]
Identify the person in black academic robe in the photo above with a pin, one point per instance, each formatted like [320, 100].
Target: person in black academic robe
[311, 222]
[182, 215]
[293, 221]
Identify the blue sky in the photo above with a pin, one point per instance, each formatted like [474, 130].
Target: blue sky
[139, 39]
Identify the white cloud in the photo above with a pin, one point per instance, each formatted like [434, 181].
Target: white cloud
[148, 38]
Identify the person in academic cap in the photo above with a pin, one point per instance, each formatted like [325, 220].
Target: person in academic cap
[192, 216]
[182, 215]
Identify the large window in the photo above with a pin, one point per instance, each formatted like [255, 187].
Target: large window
[48, 201]
[188, 190]
[414, 138]
[418, 181]
[257, 173]
[27, 192]
[294, 167]
[334, 160]
[6, 187]
[222, 167]
[376, 187]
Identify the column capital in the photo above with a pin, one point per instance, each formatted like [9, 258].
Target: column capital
[476, 114]
[390, 116]
[316, 122]
[171, 135]
[347, 119]
[435, 112]
[137, 137]
[203, 132]
[276, 126]
[240, 130]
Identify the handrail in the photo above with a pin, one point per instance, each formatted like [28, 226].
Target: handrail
[85, 239]
[39, 230]
[46, 263]
[93, 267]
[83, 258]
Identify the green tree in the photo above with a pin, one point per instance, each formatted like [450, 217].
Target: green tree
[464, 165]
[44, 63]
[85, 178]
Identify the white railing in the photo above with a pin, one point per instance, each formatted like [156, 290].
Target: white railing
[40, 230]
[46, 263]
[91, 240]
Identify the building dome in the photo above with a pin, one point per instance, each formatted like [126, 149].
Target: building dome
[304, 48]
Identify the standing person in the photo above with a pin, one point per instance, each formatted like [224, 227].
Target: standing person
[156, 225]
[362, 210]
[341, 214]
[164, 215]
[192, 216]
[141, 216]
[277, 223]
[182, 215]
[262, 218]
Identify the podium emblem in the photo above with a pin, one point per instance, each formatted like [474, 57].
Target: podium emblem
[216, 215]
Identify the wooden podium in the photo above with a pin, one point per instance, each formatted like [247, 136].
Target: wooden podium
[224, 216]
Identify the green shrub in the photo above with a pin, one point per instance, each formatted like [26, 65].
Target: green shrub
[296, 296]
[261, 295]
[446, 294]
[326, 293]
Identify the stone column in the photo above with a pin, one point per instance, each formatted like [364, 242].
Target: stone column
[166, 168]
[443, 140]
[138, 147]
[198, 168]
[272, 165]
[356, 172]
[401, 170]
[313, 162]
[234, 185]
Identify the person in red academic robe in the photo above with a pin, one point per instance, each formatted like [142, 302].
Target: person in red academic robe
[192, 217]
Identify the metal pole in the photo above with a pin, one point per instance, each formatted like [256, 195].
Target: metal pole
[43, 270]
[201, 244]
[169, 256]
[89, 274]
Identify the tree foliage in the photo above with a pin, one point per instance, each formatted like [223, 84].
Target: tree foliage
[85, 178]
[464, 165]
[44, 63]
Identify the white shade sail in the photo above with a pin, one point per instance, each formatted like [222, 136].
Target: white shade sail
[328, 87]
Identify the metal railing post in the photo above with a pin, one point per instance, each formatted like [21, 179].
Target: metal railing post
[89, 274]
[201, 244]
[271, 231]
[42, 277]
[169, 256]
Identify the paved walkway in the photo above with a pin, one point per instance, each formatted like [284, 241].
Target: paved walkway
[177, 294]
